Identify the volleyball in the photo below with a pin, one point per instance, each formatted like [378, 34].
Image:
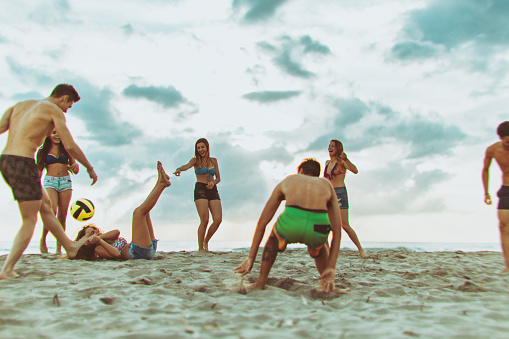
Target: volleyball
[82, 209]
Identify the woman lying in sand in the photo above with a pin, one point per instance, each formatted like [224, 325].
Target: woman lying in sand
[110, 245]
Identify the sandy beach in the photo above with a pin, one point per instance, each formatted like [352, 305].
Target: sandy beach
[395, 294]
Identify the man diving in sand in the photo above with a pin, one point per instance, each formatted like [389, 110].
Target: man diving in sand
[311, 212]
[29, 123]
[500, 152]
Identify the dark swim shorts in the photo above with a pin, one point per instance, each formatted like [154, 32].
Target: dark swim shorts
[342, 197]
[22, 175]
[202, 192]
[503, 194]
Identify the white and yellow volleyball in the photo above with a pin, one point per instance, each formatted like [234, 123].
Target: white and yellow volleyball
[82, 209]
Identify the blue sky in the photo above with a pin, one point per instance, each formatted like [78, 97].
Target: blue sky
[414, 90]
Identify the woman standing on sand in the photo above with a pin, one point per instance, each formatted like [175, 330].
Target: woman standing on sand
[335, 171]
[206, 196]
[53, 157]
[143, 244]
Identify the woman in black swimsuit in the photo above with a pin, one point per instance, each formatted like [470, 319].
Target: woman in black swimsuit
[206, 195]
[53, 157]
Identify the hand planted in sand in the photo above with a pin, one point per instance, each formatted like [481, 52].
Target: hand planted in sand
[245, 267]
[327, 281]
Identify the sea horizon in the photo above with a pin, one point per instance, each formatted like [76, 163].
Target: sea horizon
[229, 246]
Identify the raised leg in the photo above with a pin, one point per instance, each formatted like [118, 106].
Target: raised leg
[351, 233]
[142, 229]
[217, 217]
[28, 210]
[51, 223]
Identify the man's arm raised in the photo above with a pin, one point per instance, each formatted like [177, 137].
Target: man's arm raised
[267, 214]
[72, 148]
[5, 120]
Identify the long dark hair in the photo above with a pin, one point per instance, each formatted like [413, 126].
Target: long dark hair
[202, 161]
[86, 252]
[44, 150]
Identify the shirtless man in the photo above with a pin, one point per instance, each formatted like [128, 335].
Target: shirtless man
[29, 122]
[311, 212]
[500, 152]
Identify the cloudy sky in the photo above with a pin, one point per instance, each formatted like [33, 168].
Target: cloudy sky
[413, 88]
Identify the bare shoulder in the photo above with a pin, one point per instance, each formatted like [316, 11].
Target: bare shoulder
[492, 149]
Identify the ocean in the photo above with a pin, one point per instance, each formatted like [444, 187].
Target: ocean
[175, 246]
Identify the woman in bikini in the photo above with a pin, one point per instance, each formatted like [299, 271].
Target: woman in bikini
[143, 244]
[335, 171]
[206, 196]
[53, 157]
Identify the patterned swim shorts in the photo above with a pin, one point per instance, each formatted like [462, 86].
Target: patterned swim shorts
[22, 176]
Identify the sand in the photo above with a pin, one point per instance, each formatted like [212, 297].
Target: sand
[395, 294]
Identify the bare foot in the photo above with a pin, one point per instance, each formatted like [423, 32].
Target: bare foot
[75, 246]
[504, 271]
[202, 251]
[162, 177]
[8, 275]
[42, 246]
[206, 246]
[363, 254]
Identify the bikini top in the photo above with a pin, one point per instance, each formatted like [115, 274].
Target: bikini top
[204, 170]
[51, 159]
[119, 244]
[335, 171]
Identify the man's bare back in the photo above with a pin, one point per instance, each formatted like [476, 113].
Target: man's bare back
[306, 191]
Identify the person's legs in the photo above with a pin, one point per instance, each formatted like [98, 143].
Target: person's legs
[217, 217]
[142, 230]
[53, 197]
[351, 233]
[322, 259]
[268, 258]
[28, 210]
[202, 206]
[503, 217]
[51, 223]
[64, 198]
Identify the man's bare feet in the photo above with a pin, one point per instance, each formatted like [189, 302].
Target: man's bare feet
[162, 177]
[76, 245]
[42, 246]
[363, 254]
[206, 246]
[504, 271]
[8, 275]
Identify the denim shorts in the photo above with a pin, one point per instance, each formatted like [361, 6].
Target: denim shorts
[342, 197]
[140, 252]
[59, 184]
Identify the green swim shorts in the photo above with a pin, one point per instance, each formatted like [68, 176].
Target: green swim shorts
[298, 225]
